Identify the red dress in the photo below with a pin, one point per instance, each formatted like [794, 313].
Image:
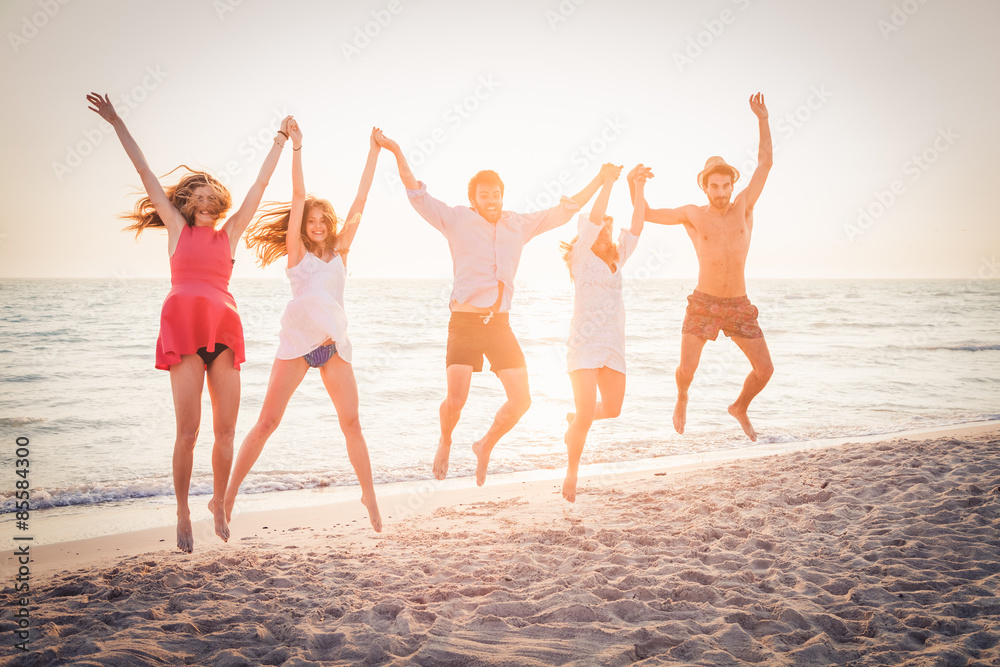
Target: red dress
[199, 311]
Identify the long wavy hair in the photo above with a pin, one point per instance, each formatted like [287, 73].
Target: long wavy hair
[610, 256]
[144, 215]
[266, 236]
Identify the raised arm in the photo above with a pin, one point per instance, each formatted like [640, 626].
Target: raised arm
[609, 174]
[171, 217]
[639, 203]
[583, 196]
[434, 211]
[659, 216]
[357, 208]
[764, 152]
[405, 175]
[238, 222]
[293, 235]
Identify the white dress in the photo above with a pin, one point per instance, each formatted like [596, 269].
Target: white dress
[597, 332]
[316, 311]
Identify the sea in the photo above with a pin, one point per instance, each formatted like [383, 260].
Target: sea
[851, 358]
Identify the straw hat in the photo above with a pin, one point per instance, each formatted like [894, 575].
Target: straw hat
[710, 164]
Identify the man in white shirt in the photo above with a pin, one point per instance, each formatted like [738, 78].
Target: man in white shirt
[486, 244]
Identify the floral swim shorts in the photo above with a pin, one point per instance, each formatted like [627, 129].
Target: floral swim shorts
[707, 314]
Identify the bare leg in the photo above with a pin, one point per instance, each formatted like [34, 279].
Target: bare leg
[585, 383]
[224, 390]
[286, 375]
[610, 405]
[611, 384]
[459, 381]
[691, 347]
[338, 377]
[760, 359]
[515, 384]
[187, 378]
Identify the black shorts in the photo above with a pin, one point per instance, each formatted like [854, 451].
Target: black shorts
[469, 339]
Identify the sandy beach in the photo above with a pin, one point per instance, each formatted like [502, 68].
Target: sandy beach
[881, 551]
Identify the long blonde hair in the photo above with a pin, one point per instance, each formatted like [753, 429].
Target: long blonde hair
[144, 215]
[266, 236]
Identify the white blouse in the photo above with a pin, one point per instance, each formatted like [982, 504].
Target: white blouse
[597, 331]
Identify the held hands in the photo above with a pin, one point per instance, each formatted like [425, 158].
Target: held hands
[757, 106]
[291, 126]
[386, 143]
[373, 139]
[609, 173]
[103, 107]
[639, 172]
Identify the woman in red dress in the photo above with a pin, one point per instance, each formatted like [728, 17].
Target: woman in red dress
[200, 331]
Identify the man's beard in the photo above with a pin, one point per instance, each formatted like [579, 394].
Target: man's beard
[491, 217]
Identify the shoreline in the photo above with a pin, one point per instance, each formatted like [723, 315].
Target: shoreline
[401, 501]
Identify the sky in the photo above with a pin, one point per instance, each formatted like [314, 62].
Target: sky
[883, 113]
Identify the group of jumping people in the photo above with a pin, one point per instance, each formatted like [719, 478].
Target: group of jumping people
[201, 335]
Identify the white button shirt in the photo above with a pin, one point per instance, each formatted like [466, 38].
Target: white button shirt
[484, 254]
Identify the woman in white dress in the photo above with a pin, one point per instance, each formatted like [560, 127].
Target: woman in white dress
[596, 349]
[314, 326]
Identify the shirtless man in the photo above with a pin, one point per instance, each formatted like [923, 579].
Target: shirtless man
[721, 232]
[486, 244]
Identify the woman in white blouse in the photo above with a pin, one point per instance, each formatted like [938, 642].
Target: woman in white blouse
[314, 326]
[596, 349]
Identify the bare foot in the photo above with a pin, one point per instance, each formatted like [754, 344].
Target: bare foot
[185, 537]
[441, 459]
[680, 413]
[570, 416]
[373, 513]
[741, 417]
[482, 462]
[221, 524]
[569, 487]
[229, 503]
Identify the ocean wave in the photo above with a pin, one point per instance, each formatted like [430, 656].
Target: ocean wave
[19, 421]
[965, 347]
[112, 492]
[626, 451]
[96, 494]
